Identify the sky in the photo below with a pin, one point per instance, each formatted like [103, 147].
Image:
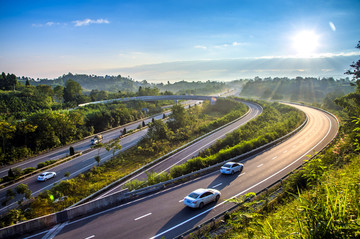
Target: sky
[174, 40]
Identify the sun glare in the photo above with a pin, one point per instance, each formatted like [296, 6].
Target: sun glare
[305, 43]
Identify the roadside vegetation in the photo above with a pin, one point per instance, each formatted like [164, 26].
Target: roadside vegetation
[309, 90]
[276, 120]
[36, 119]
[181, 127]
[319, 201]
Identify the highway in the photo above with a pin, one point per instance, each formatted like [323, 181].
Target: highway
[164, 214]
[77, 165]
[194, 149]
[84, 162]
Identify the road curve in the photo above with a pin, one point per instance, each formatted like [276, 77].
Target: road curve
[77, 165]
[164, 213]
[194, 149]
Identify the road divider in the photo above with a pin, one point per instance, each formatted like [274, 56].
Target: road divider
[121, 197]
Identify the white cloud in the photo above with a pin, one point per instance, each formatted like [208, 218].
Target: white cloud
[48, 24]
[200, 47]
[238, 43]
[86, 22]
[332, 26]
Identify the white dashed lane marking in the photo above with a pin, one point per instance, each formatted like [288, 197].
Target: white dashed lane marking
[143, 216]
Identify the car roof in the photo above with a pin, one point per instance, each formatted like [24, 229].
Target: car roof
[200, 190]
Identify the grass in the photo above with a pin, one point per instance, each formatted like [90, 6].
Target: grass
[329, 208]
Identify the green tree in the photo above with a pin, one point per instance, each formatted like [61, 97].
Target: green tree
[6, 132]
[114, 146]
[25, 129]
[72, 151]
[158, 130]
[23, 189]
[98, 159]
[45, 93]
[178, 118]
[355, 71]
[72, 91]
[351, 104]
[14, 173]
[59, 93]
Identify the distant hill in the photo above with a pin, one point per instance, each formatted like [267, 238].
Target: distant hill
[90, 82]
[119, 83]
[312, 90]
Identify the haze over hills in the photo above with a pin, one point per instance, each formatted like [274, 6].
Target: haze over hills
[231, 69]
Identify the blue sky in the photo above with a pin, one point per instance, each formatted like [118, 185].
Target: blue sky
[179, 39]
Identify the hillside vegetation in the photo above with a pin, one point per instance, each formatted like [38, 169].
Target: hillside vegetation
[322, 200]
[182, 126]
[309, 90]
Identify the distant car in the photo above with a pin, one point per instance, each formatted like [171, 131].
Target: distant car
[231, 168]
[45, 176]
[201, 197]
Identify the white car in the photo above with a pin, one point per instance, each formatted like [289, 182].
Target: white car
[201, 197]
[231, 168]
[45, 176]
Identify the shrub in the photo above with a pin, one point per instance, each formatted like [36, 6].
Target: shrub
[72, 150]
[29, 170]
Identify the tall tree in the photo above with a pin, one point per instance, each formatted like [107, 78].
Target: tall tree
[59, 93]
[178, 118]
[6, 132]
[72, 91]
[356, 67]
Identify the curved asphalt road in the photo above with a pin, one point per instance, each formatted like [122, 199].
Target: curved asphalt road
[164, 214]
[77, 165]
[194, 149]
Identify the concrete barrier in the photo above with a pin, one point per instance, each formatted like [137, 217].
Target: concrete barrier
[29, 226]
[119, 197]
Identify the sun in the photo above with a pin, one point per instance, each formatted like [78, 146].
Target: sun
[305, 43]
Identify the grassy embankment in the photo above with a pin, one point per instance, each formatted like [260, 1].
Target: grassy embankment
[199, 120]
[276, 121]
[320, 201]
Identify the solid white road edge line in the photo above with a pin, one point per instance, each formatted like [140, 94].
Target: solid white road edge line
[206, 211]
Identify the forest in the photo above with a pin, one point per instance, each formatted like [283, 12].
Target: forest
[308, 89]
[126, 85]
[31, 116]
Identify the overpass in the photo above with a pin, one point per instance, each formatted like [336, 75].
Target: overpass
[154, 98]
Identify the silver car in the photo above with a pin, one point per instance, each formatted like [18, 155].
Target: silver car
[201, 197]
[231, 168]
[45, 176]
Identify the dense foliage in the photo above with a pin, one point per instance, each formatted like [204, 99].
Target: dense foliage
[116, 84]
[319, 201]
[275, 121]
[194, 88]
[160, 140]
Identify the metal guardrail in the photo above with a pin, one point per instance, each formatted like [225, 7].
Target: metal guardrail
[60, 161]
[212, 220]
[142, 169]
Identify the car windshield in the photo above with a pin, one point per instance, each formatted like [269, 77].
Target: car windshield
[227, 165]
[193, 195]
[42, 175]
